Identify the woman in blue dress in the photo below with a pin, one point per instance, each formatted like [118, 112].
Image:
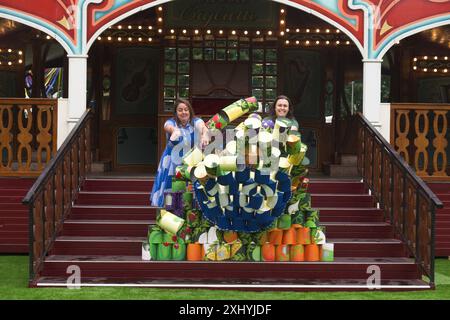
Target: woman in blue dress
[185, 129]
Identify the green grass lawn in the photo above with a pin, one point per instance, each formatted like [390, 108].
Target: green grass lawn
[14, 277]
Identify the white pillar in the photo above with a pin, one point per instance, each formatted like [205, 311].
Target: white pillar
[77, 88]
[372, 91]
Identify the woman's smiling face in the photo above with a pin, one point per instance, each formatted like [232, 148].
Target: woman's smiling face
[183, 113]
[281, 108]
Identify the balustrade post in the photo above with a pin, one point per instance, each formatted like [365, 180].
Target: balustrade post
[382, 182]
[77, 88]
[372, 91]
[417, 227]
[432, 244]
[54, 203]
[404, 205]
[31, 241]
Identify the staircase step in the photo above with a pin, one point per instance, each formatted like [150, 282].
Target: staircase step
[8, 234]
[350, 214]
[98, 245]
[16, 183]
[10, 199]
[92, 212]
[115, 188]
[70, 245]
[113, 198]
[442, 226]
[442, 237]
[112, 216]
[349, 159]
[116, 209]
[118, 184]
[442, 251]
[132, 267]
[357, 230]
[341, 170]
[349, 187]
[18, 206]
[368, 247]
[439, 187]
[242, 284]
[342, 200]
[143, 198]
[8, 220]
[443, 196]
[13, 240]
[14, 227]
[13, 248]
[14, 192]
[117, 228]
[442, 219]
[140, 227]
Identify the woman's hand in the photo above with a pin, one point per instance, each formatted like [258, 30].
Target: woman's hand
[204, 135]
[176, 133]
[204, 140]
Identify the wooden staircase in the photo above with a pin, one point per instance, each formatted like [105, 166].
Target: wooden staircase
[442, 190]
[13, 215]
[105, 229]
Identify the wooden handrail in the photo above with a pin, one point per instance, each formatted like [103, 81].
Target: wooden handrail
[407, 202]
[50, 198]
[402, 161]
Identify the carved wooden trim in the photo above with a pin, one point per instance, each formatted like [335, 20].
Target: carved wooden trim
[6, 137]
[401, 140]
[25, 137]
[28, 131]
[421, 142]
[440, 143]
[429, 139]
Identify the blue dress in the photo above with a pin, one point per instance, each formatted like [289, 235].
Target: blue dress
[167, 164]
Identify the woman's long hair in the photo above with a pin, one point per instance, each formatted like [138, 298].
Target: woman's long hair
[188, 104]
[290, 113]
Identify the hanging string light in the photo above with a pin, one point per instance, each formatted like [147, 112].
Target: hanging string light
[436, 64]
[313, 35]
[11, 57]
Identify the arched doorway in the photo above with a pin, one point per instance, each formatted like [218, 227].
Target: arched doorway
[286, 51]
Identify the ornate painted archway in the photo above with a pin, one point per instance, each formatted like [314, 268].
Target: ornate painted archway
[373, 25]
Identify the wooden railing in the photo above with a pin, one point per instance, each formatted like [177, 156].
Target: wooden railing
[52, 195]
[28, 132]
[408, 204]
[419, 133]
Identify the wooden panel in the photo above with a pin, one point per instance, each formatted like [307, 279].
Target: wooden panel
[419, 133]
[421, 142]
[28, 135]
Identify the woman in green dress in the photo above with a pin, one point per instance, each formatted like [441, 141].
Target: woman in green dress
[282, 108]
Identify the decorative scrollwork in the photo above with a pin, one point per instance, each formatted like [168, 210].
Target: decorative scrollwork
[421, 142]
[6, 137]
[440, 143]
[24, 137]
[402, 142]
[44, 137]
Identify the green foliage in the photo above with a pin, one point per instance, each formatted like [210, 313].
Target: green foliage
[246, 238]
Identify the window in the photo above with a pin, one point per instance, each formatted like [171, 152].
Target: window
[261, 56]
